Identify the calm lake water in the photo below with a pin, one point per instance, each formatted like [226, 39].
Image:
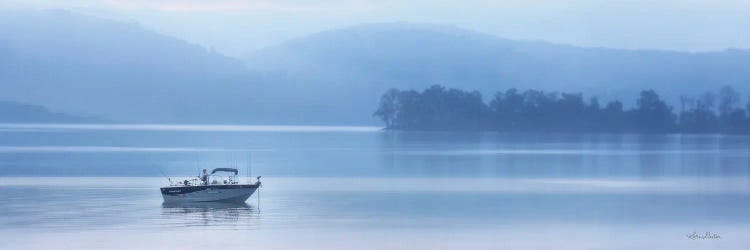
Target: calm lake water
[96, 186]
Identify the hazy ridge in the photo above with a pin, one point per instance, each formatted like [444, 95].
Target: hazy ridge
[405, 55]
[85, 65]
[13, 112]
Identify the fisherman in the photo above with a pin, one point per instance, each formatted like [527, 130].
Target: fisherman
[204, 178]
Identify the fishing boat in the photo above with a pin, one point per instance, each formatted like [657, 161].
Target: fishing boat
[221, 185]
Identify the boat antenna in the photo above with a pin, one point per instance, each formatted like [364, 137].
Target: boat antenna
[249, 167]
[229, 161]
[198, 164]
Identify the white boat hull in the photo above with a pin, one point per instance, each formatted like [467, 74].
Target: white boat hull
[209, 193]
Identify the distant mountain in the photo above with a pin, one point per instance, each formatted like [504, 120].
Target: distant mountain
[405, 55]
[80, 64]
[89, 65]
[13, 112]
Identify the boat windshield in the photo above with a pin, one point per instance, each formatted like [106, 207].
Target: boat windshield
[223, 178]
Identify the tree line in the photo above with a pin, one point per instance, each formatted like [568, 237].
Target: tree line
[438, 108]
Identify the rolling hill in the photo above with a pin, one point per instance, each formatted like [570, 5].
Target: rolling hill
[13, 112]
[88, 65]
[405, 55]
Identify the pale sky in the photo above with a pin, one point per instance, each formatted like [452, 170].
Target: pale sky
[237, 27]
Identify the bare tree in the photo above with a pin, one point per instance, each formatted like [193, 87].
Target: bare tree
[728, 100]
[706, 101]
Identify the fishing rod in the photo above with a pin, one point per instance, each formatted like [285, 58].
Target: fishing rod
[165, 176]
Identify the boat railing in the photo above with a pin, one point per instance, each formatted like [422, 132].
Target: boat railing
[185, 182]
[214, 180]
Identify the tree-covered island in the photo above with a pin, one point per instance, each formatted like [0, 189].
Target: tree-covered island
[438, 108]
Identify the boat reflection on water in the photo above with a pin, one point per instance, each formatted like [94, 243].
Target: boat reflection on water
[210, 214]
